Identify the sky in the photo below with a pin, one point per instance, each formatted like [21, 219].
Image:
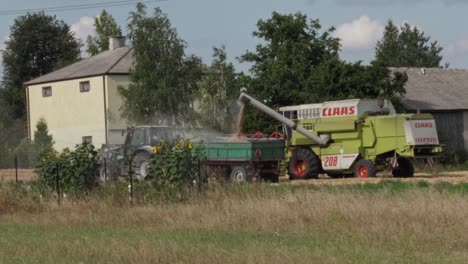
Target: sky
[204, 24]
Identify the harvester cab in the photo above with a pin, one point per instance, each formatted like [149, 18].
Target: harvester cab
[353, 137]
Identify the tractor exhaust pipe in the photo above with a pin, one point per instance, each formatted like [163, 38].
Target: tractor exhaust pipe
[246, 99]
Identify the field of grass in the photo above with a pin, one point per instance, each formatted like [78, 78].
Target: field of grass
[387, 222]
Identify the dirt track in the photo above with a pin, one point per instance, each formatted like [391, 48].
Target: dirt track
[452, 177]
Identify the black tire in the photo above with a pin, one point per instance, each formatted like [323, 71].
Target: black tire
[364, 169]
[304, 164]
[108, 171]
[240, 174]
[405, 168]
[140, 165]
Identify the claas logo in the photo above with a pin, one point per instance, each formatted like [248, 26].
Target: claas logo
[423, 125]
[339, 111]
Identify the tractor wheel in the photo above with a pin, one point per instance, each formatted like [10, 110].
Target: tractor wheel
[140, 165]
[108, 172]
[304, 164]
[405, 168]
[239, 174]
[364, 169]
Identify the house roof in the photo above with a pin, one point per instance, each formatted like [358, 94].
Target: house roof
[117, 61]
[435, 89]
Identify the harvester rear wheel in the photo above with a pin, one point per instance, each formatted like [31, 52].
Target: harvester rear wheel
[405, 168]
[364, 169]
[304, 164]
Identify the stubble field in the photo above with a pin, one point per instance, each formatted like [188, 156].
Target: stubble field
[382, 220]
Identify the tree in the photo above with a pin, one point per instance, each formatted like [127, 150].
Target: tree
[105, 27]
[407, 47]
[42, 139]
[338, 80]
[297, 64]
[293, 48]
[27, 152]
[161, 79]
[217, 92]
[38, 44]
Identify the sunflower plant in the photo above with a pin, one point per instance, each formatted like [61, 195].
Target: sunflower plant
[177, 169]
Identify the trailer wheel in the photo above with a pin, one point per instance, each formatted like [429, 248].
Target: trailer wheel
[304, 164]
[239, 174]
[364, 169]
[140, 165]
[405, 168]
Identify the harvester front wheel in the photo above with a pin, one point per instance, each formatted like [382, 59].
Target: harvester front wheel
[405, 168]
[304, 164]
[364, 169]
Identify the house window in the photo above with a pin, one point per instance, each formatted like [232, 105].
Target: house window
[46, 91]
[84, 87]
[87, 140]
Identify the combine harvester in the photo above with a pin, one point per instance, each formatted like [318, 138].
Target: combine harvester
[356, 137]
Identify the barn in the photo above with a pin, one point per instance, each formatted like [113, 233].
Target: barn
[444, 94]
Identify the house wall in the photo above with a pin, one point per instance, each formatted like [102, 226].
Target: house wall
[115, 123]
[70, 114]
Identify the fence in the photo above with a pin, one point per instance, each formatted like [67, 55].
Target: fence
[136, 191]
[16, 168]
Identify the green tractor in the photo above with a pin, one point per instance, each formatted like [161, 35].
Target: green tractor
[137, 147]
[357, 137]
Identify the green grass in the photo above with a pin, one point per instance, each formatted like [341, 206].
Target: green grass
[29, 244]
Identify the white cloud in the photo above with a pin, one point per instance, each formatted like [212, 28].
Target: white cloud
[83, 28]
[360, 35]
[460, 47]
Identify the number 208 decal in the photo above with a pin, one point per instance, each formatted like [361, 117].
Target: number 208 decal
[331, 161]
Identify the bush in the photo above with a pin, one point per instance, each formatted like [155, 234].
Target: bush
[78, 170]
[453, 157]
[175, 171]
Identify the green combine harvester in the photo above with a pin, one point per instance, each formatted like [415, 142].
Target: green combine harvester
[357, 137]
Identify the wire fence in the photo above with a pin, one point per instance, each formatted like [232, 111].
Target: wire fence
[17, 168]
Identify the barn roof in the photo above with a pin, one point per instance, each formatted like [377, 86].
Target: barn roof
[435, 89]
[117, 61]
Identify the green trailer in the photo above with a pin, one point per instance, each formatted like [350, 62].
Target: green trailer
[253, 158]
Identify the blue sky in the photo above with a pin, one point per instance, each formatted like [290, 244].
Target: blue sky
[207, 23]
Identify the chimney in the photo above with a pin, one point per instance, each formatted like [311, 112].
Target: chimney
[116, 42]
